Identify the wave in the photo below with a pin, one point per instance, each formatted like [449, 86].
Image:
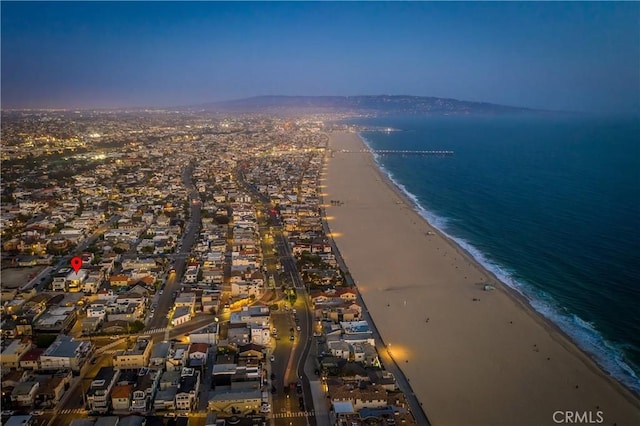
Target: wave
[607, 355]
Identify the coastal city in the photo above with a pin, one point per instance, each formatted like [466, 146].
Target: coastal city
[178, 268]
[310, 213]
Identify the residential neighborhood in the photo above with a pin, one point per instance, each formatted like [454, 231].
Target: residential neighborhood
[209, 292]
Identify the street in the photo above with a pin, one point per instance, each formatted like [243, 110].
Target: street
[172, 284]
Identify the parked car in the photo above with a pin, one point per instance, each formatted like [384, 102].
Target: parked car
[272, 358]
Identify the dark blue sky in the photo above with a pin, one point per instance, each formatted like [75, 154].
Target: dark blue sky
[576, 56]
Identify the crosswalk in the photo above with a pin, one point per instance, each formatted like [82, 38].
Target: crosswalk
[294, 414]
[73, 411]
[155, 330]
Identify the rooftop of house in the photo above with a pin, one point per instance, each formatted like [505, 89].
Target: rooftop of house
[121, 391]
[65, 347]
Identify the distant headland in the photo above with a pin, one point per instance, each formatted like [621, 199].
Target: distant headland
[375, 104]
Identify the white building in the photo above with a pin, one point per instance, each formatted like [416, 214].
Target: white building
[181, 315]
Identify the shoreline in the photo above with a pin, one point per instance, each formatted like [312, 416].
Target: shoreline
[512, 291]
[570, 362]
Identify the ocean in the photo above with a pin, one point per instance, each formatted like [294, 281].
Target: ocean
[549, 203]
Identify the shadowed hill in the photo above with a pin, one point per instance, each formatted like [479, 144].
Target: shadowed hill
[380, 104]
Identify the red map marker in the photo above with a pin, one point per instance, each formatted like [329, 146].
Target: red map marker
[76, 263]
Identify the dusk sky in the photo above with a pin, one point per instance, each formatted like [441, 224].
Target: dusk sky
[566, 56]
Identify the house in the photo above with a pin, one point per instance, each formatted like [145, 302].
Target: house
[136, 356]
[224, 370]
[198, 354]
[187, 299]
[97, 310]
[339, 349]
[170, 379]
[159, 354]
[237, 401]
[91, 285]
[244, 289]
[363, 395]
[90, 325]
[165, 399]
[9, 328]
[238, 334]
[52, 389]
[346, 294]
[59, 281]
[119, 281]
[251, 351]
[31, 359]
[121, 397]
[24, 393]
[343, 413]
[98, 393]
[75, 281]
[252, 314]
[11, 355]
[319, 297]
[181, 315]
[56, 319]
[144, 389]
[13, 377]
[384, 378]
[208, 335]
[260, 334]
[65, 353]
[339, 314]
[248, 373]
[191, 274]
[178, 358]
[187, 389]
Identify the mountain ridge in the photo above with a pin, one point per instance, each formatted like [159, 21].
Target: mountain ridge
[361, 104]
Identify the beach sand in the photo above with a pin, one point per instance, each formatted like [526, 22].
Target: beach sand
[488, 361]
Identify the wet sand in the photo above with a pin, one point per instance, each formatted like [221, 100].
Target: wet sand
[473, 357]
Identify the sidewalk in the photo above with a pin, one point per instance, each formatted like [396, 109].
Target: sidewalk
[320, 402]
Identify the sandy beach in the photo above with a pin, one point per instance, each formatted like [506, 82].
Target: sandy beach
[473, 357]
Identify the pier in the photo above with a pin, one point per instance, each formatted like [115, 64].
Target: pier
[397, 152]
